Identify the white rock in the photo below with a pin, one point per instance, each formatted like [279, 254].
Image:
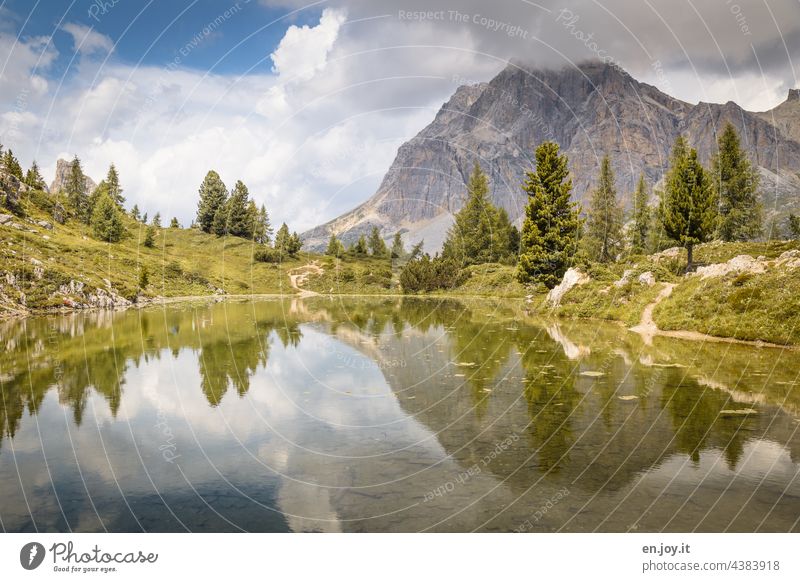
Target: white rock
[571, 278]
[625, 278]
[739, 264]
[647, 278]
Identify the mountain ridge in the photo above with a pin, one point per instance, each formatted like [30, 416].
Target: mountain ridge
[591, 110]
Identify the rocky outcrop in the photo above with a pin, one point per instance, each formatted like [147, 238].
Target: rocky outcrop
[590, 110]
[11, 189]
[62, 173]
[572, 278]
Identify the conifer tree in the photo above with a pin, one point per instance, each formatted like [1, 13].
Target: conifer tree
[11, 165]
[34, 177]
[603, 233]
[174, 222]
[106, 219]
[219, 225]
[735, 182]
[282, 239]
[480, 232]
[295, 244]
[144, 218]
[240, 215]
[150, 237]
[376, 244]
[688, 210]
[398, 251]
[114, 189]
[135, 212]
[641, 217]
[335, 247]
[213, 196]
[262, 233]
[360, 248]
[75, 190]
[793, 222]
[157, 220]
[549, 238]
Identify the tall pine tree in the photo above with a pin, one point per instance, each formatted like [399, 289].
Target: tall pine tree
[241, 216]
[34, 177]
[106, 219]
[641, 217]
[213, 195]
[11, 165]
[75, 189]
[335, 247]
[549, 238]
[735, 182]
[603, 235]
[114, 189]
[377, 245]
[480, 232]
[688, 210]
[398, 250]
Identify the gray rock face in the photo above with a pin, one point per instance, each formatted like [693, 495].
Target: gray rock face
[62, 173]
[10, 190]
[590, 111]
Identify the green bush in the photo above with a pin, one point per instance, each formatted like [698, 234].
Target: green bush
[425, 275]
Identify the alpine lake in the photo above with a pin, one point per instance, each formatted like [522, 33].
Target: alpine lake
[388, 414]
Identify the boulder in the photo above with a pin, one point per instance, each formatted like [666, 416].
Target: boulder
[738, 264]
[647, 278]
[572, 278]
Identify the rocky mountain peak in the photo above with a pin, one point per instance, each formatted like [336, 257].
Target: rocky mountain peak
[794, 95]
[591, 110]
[62, 173]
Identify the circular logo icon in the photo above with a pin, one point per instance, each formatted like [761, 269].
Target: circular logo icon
[31, 555]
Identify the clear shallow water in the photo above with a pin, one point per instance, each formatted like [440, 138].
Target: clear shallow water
[388, 415]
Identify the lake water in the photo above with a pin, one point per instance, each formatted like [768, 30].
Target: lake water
[391, 414]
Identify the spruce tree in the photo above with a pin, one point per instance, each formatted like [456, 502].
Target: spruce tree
[549, 238]
[480, 232]
[135, 212]
[219, 225]
[793, 222]
[150, 237]
[240, 217]
[213, 195]
[106, 219]
[174, 222]
[603, 234]
[735, 182]
[283, 241]
[75, 189]
[360, 248]
[114, 189]
[376, 244]
[398, 251]
[34, 177]
[641, 217]
[144, 218]
[335, 247]
[262, 232]
[295, 244]
[688, 209]
[11, 165]
[157, 220]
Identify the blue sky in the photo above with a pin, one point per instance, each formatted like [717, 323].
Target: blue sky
[154, 32]
[307, 104]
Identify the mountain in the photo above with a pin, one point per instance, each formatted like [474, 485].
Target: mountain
[62, 174]
[590, 110]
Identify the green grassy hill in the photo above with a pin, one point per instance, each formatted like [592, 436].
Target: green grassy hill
[39, 258]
